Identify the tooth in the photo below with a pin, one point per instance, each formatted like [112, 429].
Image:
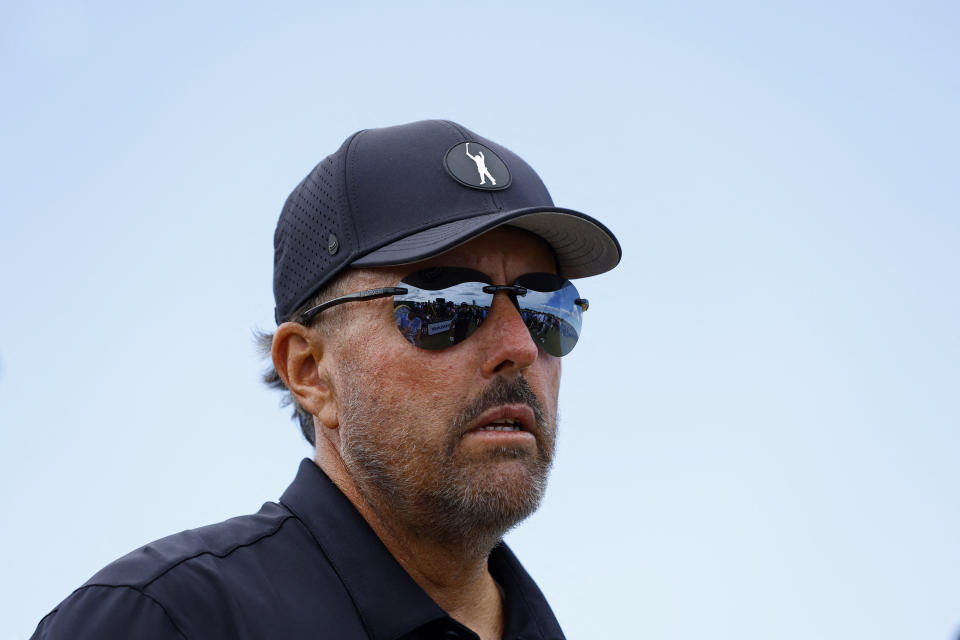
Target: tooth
[500, 426]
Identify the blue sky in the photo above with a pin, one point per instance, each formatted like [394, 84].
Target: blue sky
[759, 427]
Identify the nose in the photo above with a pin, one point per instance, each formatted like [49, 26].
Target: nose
[509, 347]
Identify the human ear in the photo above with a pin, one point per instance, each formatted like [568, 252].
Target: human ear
[298, 356]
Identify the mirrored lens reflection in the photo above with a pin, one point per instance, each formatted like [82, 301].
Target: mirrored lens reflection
[436, 318]
[439, 319]
[550, 313]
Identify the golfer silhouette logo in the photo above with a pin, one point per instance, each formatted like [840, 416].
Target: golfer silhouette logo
[481, 166]
[477, 166]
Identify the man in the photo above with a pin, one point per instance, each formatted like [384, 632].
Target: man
[424, 454]
[408, 322]
[481, 166]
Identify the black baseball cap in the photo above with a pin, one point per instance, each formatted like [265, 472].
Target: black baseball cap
[397, 195]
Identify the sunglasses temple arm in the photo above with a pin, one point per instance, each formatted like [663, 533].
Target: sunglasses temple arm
[369, 294]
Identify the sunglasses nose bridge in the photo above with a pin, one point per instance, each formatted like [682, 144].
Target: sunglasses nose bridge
[509, 288]
[512, 291]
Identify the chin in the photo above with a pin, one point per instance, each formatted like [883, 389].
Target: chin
[479, 506]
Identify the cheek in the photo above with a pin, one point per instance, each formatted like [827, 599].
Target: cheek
[414, 384]
[438, 387]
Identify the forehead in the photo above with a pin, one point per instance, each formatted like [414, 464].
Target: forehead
[504, 253]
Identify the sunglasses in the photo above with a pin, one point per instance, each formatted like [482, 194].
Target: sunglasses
[439, 307]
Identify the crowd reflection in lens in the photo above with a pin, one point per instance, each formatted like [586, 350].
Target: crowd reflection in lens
[440, 323]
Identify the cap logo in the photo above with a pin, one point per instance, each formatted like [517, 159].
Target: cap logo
[474, 165]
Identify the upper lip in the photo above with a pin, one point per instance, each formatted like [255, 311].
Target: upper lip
[520, 412]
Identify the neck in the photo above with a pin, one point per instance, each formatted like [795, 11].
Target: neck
[455, 575]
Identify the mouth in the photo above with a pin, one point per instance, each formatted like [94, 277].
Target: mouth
[503, 424]
[510, 419]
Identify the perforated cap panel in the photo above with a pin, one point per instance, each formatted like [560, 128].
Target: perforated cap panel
[311, 243]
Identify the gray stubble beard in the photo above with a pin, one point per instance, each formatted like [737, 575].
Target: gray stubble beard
[453, 502]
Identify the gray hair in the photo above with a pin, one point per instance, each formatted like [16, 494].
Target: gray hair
[328, 322]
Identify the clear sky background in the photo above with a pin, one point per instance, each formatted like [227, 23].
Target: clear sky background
[761, 425]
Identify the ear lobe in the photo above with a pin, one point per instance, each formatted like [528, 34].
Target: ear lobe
[298, 356]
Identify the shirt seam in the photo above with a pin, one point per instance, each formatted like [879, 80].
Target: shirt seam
[147, 584]
[166, 613]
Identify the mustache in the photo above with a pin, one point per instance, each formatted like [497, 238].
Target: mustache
[500, 392]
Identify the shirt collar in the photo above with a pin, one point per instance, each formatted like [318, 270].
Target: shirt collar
[388, 600]
[390, 603]
[526, 612]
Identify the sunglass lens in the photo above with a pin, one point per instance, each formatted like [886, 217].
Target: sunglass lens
[550, 311]
[442, 307]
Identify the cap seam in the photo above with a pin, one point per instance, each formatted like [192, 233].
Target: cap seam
[348, 228]
[350, 157]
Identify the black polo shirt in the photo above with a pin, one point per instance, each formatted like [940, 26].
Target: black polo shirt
[308, 567]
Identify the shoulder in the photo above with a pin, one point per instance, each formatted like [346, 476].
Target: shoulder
[145, 593]
[142, 567]
[99, 611]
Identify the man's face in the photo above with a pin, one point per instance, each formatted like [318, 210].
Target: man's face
[423, 433]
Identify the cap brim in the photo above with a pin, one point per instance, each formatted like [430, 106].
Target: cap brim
[583, 246]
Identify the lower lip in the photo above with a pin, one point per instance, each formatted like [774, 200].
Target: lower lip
[512, 437]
